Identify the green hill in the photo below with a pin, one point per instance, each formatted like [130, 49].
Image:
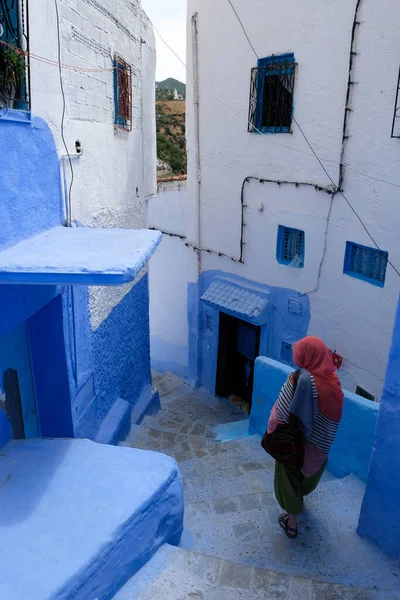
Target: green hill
[172, 84]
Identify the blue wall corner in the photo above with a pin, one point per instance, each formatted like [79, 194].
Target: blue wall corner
[351, 451]
[379, 514]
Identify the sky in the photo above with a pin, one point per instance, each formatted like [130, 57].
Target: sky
[169, 16]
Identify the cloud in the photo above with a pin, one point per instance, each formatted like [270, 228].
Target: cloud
[170, 19]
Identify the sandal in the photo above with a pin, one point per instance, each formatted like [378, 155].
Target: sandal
[289, 531]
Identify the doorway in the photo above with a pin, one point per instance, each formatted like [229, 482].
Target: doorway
[238, 348]
[16, 384]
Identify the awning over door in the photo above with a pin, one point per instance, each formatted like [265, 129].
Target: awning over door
[79, 256]
[243, 303]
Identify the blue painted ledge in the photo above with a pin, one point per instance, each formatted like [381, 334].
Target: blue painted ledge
[78, 519]
[351, 451]
[79, 255]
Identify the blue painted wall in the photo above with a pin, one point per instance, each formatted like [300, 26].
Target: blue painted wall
[48, 355]
[379, 519]
[121, 357]
[351, 451]
[282, 325]
[78, 373]
[31, 201]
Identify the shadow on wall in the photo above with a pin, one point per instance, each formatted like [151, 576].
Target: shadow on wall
[121, 357]
[28, 486]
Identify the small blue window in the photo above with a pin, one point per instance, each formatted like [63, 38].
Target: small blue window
[368, 264]
[290, 246]
[271, 94]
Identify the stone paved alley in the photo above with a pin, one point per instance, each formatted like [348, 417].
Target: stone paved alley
[232, 546]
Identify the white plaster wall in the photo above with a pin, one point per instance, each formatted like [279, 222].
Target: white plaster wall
[352, 316]
[171, 268]
[116, 172]
[167, 208]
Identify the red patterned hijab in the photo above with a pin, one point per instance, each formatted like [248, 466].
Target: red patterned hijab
[312, 354]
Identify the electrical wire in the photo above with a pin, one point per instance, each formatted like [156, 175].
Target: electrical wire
[363, 369]
[326, 171]
[267, 137]
[347, 200]
[240, 111]
[69, 216]
[49, 61]
[244, 31]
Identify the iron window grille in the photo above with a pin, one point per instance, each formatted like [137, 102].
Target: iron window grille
[271, 95]
[396, 114]
[122, 94]
[368, 264]
[14, 49]
[290, 246]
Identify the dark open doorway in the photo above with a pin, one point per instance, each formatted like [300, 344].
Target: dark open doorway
[238, 348]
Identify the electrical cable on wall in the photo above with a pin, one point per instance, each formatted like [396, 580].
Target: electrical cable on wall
[55, 63]
[268, 138]
[110, 69]
[69, 216]
[339, 191]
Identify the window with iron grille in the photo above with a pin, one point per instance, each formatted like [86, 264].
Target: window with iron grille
[290, 246]
[14, 69]
[271, 94]
[122, 94]
[368, 264]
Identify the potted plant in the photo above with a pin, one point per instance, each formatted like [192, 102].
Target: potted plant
[12, 69]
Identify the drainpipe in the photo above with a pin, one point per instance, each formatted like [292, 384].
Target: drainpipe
[196, 96]
[196, 105]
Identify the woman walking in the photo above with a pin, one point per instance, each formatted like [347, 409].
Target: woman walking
[312, 398]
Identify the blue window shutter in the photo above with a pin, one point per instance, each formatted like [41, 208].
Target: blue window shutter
[290, 248]
[274, 110]
[367, 264]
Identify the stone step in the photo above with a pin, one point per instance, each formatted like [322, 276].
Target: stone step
[176, 574]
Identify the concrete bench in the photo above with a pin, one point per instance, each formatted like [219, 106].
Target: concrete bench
[78, 519]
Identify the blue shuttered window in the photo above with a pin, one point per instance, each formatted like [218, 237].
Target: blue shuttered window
[368, 264]
[271, 94]
[290, 246]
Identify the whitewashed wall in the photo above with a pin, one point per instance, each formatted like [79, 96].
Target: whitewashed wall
[116, 172]
[352, 316]
[171, 269]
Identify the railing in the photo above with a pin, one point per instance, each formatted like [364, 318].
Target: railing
[14, 47]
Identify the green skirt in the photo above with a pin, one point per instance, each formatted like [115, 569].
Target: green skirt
[291, 486]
